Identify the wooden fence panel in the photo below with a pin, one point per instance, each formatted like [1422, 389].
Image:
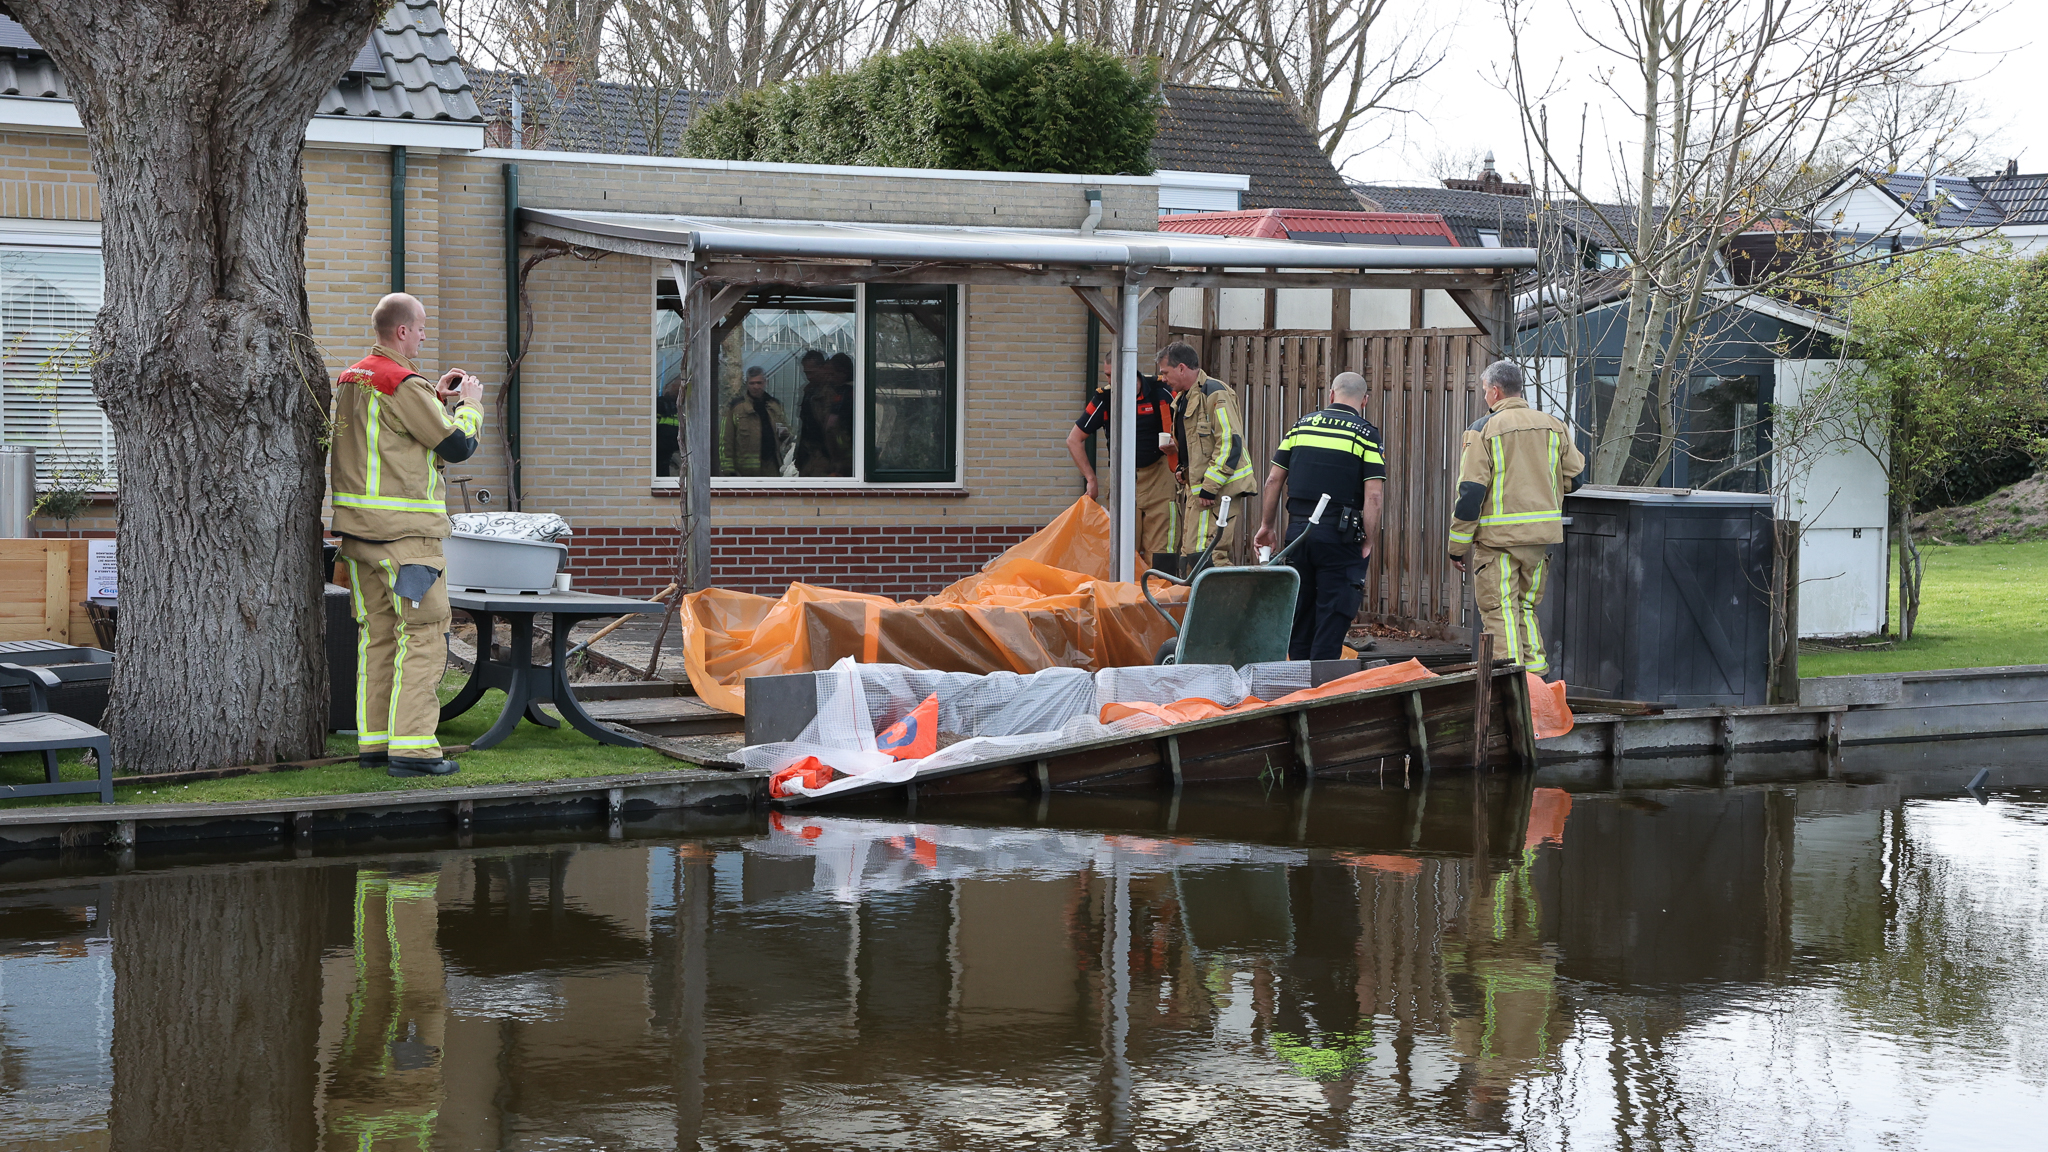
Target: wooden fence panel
[1423, 392]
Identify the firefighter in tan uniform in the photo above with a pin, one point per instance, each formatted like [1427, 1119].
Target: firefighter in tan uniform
[393, 429]
[1209, 427]
[1516, 467]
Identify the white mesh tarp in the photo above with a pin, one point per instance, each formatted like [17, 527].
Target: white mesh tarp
[997, 715]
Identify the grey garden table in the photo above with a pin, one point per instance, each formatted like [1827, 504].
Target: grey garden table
[528, 685]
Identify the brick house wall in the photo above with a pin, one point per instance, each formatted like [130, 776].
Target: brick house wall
[587, 377]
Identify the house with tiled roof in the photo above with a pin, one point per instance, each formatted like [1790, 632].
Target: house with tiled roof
[456, 186]
[1902, 208]
[1206, 128]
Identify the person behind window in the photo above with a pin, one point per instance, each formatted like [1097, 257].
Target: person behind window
[825, 440]
[755, 430]
[668, 429]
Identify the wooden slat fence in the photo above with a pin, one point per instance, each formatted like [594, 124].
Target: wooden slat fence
[1424, 392]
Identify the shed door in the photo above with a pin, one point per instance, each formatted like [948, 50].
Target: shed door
[1710, 626]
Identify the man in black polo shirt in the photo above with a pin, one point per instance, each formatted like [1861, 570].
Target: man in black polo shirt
[1334, 452]
[1151, 440]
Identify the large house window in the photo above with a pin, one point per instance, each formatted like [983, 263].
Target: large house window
[48, 299]
[838, 386]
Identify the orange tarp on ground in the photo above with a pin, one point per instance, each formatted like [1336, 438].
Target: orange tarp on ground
[1048, 602]
[1196, 708]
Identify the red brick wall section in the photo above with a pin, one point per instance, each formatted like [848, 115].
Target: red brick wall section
[907, 563]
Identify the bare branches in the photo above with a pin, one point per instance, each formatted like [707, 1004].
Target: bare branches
[1742, 107]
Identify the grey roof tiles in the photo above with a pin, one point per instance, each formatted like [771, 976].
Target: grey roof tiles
[1203, 128]
[406, 71]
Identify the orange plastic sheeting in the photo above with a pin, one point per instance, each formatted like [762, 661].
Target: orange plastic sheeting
[914, 737]
[1048, 602]
[1548, 810]
[810, 772]
[1546, 705]
[1198, 708]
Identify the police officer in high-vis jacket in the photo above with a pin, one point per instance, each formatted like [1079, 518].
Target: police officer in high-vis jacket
[1208, 426]
[1335, 453]
[1517, 465]
[392, 430]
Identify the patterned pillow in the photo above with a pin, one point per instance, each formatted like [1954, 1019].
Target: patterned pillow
[512, 525]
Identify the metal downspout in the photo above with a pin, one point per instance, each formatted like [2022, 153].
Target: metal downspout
[398, 218]
[512, 479]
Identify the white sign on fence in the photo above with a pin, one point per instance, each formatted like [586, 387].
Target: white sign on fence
[99, 569]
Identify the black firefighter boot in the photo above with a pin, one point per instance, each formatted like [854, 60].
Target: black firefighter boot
[401, 766]
[377, 759]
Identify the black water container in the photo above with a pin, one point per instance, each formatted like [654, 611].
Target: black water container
[1662, 594]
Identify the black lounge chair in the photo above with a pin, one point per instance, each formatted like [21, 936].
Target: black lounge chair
[49, 733]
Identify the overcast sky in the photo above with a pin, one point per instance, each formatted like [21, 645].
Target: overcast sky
[1461, 107]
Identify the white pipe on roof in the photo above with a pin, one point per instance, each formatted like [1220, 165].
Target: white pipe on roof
[790, 239]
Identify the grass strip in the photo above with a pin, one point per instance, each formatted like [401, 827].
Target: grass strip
[530, 755]
[1981, 606]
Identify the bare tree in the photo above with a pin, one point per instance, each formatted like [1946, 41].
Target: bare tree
[721, 46]
[1188, 37]
[195, 112]
[1736, 101]
[1343, 64]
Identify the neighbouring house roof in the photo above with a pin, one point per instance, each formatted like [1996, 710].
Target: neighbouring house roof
[574, 114]
[1203, 128]
[1378, 228]
[1512, 217]
[1967, 201]
[1467, 213]
[407, 71]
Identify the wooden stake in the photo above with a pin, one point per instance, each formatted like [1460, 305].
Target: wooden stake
[1482, 702]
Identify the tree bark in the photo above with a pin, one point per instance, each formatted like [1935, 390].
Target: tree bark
[195, 112]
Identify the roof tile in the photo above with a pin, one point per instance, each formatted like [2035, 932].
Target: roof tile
[1204, 128]
[419, 76]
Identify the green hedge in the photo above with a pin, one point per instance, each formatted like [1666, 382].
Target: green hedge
[1000, 106]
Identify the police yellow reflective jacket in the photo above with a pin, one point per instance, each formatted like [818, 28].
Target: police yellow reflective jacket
[1517, 465]
[1209, 426]
[391, 434]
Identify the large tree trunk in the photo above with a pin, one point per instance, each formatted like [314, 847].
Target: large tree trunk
[196, 111]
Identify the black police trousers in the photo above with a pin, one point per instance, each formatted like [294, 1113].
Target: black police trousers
[1332, 587]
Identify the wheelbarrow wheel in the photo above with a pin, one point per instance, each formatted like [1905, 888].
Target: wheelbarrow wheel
[1165, 654]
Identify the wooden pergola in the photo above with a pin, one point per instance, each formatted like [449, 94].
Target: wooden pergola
[1122, 276]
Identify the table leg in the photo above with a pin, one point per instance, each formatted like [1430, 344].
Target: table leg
[519, 672]
[565, 697]
[473, 690]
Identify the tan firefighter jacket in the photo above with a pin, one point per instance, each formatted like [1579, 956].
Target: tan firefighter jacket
[1517, 465]
[1209, 427]
[391, 434]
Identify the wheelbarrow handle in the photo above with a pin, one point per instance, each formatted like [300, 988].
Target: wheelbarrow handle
[1315, 517]
[1145, 583]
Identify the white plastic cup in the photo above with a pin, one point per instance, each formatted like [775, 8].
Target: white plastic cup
[1265, 554]
[1166, 441]
[561, 581]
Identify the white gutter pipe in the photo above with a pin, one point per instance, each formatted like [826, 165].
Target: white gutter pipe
[964, 245]
[1123, 529]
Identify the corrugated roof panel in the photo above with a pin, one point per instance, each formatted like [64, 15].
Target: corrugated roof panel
[1378, 228]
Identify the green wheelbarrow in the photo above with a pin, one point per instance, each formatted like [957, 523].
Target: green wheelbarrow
[1235, 615]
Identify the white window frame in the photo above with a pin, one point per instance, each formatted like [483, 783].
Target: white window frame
[19, 234]
[858, 481]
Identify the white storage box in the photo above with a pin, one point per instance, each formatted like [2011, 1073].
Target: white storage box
[502, 567]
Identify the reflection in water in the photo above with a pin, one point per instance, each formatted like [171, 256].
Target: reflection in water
[1819, 966]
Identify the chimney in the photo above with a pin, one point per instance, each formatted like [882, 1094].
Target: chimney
[560, 70]
[1489, 180]
[2012, 167]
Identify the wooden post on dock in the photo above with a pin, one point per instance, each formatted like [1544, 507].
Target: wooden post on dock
[1482, 696]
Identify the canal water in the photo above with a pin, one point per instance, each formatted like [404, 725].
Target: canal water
[1812, 966]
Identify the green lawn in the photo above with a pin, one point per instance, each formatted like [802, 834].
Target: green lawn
[532, 753]
[1983, 605]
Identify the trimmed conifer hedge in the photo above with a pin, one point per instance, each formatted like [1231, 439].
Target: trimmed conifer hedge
[999, 106]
